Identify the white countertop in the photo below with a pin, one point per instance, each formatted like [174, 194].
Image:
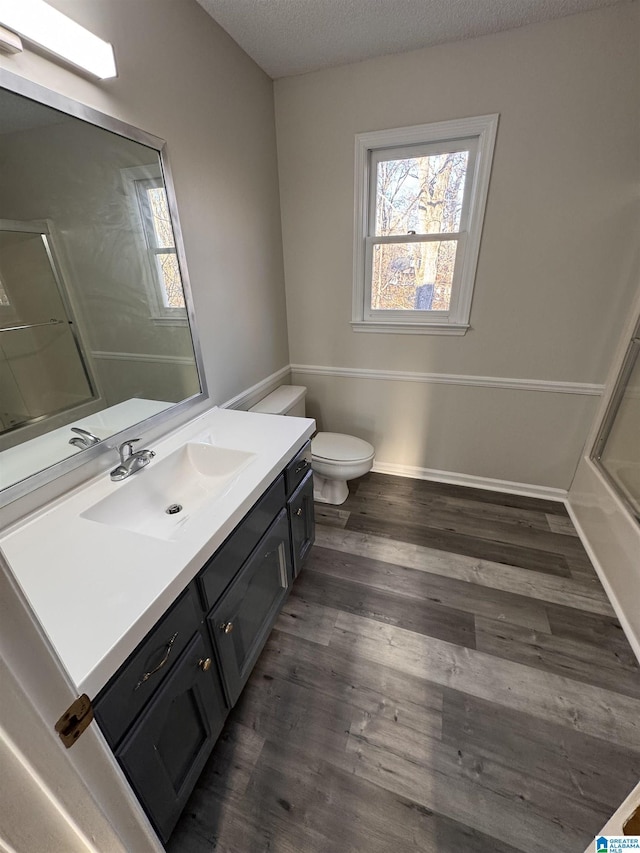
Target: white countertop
[98, 589]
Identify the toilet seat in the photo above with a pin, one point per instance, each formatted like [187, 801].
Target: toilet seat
[340, 448]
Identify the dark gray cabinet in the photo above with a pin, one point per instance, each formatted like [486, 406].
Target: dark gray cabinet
[166, 749]
[301, 522]
[164, 709]
[222, 568]
[242, 620]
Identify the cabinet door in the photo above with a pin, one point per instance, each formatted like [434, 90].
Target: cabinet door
[302, 522]
[168, 746]
[241, 621]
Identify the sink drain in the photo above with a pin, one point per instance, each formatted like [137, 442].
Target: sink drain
[173, 509]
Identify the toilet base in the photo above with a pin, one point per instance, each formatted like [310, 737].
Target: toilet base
[326, 491]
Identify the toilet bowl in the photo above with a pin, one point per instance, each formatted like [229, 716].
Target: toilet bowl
[335, 458]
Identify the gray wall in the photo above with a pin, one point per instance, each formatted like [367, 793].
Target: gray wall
[183, 79]
[558, 249]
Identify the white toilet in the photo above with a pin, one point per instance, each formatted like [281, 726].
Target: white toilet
[335, 458]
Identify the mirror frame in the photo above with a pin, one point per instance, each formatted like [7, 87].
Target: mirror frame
[48, 98]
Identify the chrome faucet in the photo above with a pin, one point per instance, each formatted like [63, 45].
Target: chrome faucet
[131, 462]
[84, 438]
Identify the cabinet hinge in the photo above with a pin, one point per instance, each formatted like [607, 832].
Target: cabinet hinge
[75, 720]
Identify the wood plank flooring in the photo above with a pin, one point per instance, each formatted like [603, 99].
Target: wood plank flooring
[447, 675]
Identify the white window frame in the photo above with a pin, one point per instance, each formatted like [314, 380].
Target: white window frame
[477, 135]
[159, 311]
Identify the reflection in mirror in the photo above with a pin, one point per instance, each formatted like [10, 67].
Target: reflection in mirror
[94, 328]
[42, 370]
[617, 448]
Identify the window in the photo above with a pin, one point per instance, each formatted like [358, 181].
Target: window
[151, 220]
[158, 230]
[420, 199]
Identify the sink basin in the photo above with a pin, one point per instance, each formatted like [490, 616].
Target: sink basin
[159, 500]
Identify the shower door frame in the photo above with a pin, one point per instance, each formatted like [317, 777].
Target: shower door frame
[44, 228]
[630, 359]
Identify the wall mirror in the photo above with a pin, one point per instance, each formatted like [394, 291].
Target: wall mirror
[96, 325]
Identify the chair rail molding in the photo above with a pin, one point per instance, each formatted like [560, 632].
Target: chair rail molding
[549, 386]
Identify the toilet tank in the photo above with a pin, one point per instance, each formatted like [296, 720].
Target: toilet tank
[285, 400]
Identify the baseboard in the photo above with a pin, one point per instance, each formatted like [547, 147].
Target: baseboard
[250, 396]
[455, 479]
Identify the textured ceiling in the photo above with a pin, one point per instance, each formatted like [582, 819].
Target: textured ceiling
[288, 37]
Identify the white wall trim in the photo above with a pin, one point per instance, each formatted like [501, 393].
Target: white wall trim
[388, 328]
[549, 386]
[105, 355]
[471, 480]
[250, 396]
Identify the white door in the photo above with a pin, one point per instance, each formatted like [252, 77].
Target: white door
[52, 798]
[619, 817]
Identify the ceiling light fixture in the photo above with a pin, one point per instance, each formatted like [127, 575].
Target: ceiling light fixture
[39, 23]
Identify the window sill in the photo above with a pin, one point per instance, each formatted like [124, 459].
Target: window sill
[410, 328]
[169, 321]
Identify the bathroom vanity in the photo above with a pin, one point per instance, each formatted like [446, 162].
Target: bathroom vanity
[159, 617]
[156, 592]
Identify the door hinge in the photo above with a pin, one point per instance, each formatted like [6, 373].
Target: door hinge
[75, 720]
[632, 823]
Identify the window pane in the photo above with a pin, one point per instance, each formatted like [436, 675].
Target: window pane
[160, 216]
[170, 272]
[410, 276]
[421, 194]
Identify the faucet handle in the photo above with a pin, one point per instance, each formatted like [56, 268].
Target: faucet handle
[83, 437]
[123, 447]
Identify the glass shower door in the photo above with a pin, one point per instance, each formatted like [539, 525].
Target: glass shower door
[617, 448]
[42, 370]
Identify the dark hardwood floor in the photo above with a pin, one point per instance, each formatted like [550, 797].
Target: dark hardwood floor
[447, 675]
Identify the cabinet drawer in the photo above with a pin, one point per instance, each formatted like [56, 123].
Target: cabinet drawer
[298, 468]
[138, 679]
[221, 569]
[241, 622]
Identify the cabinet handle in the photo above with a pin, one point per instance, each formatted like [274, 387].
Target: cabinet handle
[304, 464]
[299, 511]
[227, 627]
[167, 652]
[204, 664]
